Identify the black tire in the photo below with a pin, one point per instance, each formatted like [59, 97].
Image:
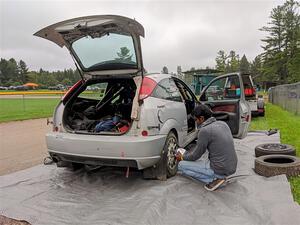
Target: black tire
[262, 113]
[272, 165]
[170, 147]
[166, 167]
[274, 148]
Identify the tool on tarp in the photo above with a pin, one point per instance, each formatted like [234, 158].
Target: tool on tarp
[269, 132]
[127, 172]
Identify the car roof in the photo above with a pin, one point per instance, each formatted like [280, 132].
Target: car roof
[158, 76]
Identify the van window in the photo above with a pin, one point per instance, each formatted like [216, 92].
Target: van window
[224, 88]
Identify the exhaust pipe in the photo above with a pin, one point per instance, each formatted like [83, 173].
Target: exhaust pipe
[55, 159]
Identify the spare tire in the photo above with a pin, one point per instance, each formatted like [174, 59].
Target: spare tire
[272, 165]
[274, 148]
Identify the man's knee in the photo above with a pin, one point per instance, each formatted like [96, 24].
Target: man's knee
[182, 165]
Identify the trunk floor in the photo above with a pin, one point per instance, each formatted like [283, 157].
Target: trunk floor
[50, 195]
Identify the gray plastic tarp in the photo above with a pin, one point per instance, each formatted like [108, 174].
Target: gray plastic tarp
[50, 195]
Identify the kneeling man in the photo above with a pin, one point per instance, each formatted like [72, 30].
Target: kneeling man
[215, 137]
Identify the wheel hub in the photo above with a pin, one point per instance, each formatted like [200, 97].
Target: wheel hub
[172, 145]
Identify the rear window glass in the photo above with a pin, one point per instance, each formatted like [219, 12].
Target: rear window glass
[247, 81]
[111, 51]
[167, 89]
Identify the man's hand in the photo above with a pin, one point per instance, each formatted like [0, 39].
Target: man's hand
[178, 156]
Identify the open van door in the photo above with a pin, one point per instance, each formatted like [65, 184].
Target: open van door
[224, 95]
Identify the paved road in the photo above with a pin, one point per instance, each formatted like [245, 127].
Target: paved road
[22, 144]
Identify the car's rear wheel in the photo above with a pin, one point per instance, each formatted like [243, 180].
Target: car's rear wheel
[167, 165]
[170, 147]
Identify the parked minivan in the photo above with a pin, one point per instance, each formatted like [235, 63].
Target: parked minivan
[118, 115]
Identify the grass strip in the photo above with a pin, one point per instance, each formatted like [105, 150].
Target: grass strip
[289, 126]
[22, 109]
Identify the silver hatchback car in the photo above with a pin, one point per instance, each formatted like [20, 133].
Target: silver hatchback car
[117, 115]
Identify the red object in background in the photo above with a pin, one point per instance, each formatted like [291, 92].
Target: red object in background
[249, 91]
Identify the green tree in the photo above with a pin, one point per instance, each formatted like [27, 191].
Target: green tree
[256, 69]
[282, 43]
[244, 65]
[124, 54]
[66, 81]
[9, 72]
[233, 62]
[23, 71]
[221, 60]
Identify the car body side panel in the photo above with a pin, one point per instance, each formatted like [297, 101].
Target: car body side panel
[166, 115]
[58, 115]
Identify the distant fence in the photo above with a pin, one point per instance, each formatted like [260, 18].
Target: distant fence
[287, 96]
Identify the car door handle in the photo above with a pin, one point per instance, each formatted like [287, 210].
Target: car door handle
[160, 106]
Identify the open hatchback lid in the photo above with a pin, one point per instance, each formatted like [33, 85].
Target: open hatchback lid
[101, 45]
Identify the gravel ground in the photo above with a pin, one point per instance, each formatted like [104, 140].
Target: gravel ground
[22, 144]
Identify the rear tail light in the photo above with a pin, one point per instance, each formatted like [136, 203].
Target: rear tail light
[71, 90]
[147, 88]
[144, 133]
[249, 91]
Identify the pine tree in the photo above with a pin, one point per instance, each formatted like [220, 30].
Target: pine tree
[221, 60]
[23, 71]
[244, 65]
[281, 44]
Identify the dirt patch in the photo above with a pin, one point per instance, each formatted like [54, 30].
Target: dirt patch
[22, 144]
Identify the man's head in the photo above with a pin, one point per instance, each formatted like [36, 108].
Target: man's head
[201, 113]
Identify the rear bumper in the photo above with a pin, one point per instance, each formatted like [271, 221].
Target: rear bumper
[134, 151]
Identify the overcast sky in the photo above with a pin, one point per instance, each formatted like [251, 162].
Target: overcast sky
[186, 33]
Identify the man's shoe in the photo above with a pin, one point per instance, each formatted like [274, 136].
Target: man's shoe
[214, 184]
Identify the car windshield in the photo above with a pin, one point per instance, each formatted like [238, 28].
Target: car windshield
[109, 52]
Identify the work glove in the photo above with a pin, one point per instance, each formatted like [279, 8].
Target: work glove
[179, 154]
